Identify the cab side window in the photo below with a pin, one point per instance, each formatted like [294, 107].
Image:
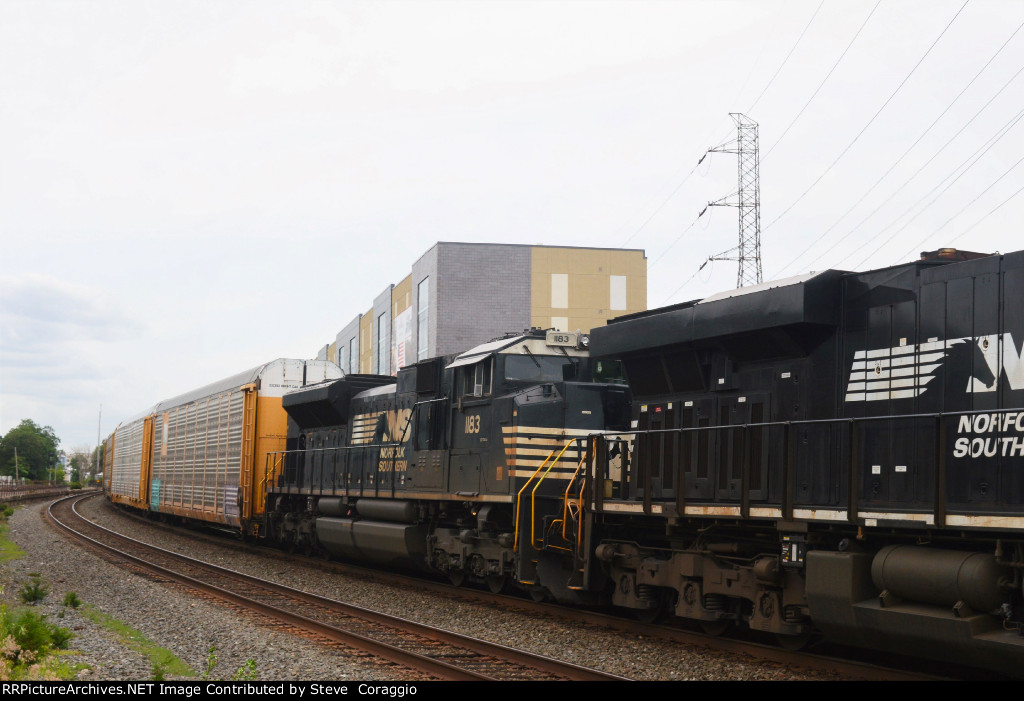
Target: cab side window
[476, 378]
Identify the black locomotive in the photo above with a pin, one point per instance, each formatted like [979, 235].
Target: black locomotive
[837, 452]
[461, 465]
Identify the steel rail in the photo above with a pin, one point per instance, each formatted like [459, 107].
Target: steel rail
[395, 654]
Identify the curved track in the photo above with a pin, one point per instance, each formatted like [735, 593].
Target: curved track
[435, 653]
[827, 659]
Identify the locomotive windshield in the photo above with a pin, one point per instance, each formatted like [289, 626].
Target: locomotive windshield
[537, 368]
[609, 371]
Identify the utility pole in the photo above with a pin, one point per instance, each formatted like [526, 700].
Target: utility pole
[748, 201]
[96, 462]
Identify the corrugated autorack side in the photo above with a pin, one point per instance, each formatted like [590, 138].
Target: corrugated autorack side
[200, 456]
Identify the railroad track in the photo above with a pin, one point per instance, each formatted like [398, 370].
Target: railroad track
[834, 661]
[430, 651]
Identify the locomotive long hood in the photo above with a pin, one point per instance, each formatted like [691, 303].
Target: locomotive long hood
[801, 301]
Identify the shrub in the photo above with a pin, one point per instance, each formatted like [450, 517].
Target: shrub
[71, 599]
[27, 636]
[246, 673]
[34, 590]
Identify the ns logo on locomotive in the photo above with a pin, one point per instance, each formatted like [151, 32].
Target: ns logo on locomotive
[836, 454]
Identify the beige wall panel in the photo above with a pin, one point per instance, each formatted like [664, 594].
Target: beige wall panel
[366, 342]
[588, 292]
[401, 296]
[589, 272]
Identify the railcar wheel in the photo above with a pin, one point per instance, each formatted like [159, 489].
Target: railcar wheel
[497, 583]
[538, 594]
[715, 628]
[649, 615]
[793, 642]
[456, 577]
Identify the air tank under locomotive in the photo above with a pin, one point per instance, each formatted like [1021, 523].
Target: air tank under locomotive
[467, 465]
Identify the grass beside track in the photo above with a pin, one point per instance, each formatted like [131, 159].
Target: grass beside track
[8, 549]
[163, 660]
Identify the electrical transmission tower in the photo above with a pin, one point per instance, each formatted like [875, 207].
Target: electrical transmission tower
[748, 201]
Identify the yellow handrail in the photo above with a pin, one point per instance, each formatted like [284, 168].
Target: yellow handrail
[533, 495]
[515, 542]
[565, 500]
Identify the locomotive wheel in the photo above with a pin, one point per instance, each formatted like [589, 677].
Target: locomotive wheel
[649, 615]
[538, 594]
[496, 583]
[793, 642]
[715, 628]
[457, 577]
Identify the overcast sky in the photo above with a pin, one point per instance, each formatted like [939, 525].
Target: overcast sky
[189, 189]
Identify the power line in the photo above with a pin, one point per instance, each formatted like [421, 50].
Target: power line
[875, 116]
[662, 205]
[824, 80]
[763, 91]
[941, 149]
[986, 216]
[786, 59]
[962, 210]
[898, 161]
[977, 155]
[689, 280]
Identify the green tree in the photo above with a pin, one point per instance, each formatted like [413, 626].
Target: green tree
[37, 450]
[77, 463]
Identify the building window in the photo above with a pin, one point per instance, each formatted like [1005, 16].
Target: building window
[340, 353]
[617, 292]
[560, 323]
[353, 357]
[422, 312]
[559, 291]
[383, 347]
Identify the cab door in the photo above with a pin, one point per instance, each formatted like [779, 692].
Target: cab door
[470, 427]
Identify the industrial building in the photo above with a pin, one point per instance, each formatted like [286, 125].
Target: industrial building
[458, 295]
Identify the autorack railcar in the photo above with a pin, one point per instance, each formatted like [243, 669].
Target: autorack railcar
[200, 456]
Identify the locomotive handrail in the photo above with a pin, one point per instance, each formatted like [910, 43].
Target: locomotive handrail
[565, 510]
[533, 495]
[281, 455]
[1003, 420]
[579, 500]
[519, 496]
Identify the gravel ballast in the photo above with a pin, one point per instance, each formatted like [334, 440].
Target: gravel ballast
[189, 626]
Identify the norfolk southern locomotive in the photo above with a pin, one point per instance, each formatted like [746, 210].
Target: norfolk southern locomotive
[469, 465]
[838, 452]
